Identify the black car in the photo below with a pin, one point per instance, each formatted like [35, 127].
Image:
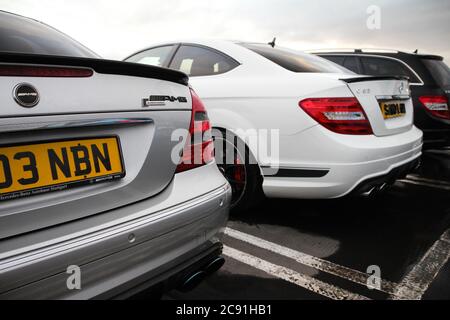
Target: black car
[429, 78]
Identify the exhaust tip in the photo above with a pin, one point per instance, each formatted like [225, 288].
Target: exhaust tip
[382, 187]
[192, 281]
[215, 265]
[418, 165]
[369, 192]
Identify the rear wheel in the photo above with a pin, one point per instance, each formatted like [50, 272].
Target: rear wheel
[237, 166]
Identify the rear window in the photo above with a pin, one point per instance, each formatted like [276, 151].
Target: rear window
[387, 67]
[439, 71]
[201, 61]
[23, 35]
[296, 61]
[335, 59]
[351, 63]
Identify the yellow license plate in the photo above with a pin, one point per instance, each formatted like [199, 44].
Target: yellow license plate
[35, 168]
[392, 109]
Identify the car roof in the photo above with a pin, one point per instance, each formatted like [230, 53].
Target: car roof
[232, 48]
[235, 50]
[19, 16]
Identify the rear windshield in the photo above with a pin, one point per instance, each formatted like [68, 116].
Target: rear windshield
[23, 35]
[385, 66]
[296, 61]
[440, 72]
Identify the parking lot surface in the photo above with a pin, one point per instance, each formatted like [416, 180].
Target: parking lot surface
[329, 249]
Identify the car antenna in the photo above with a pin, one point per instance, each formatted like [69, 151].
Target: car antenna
[272, 43]
[416, 51]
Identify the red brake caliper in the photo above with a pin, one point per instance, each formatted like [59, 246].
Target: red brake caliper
[239, 174]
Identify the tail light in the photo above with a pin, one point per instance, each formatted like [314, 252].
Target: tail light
[199, 148]
[436, 105]
[341, 115]
[41, 71]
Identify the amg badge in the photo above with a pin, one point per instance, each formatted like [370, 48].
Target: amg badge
[161, 100]
[26, 95]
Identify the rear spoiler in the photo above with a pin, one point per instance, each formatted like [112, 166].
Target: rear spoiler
[98, 65]
[374, 78]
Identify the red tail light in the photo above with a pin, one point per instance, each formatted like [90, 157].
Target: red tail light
[341, 115]
[41, 71]
[436, 105]
[199, 149]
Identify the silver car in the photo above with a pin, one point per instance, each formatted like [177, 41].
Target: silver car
[103, 191]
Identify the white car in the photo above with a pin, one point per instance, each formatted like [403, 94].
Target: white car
[339, 133]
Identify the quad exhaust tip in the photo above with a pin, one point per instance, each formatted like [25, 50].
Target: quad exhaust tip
[193, 279]
[375, 190]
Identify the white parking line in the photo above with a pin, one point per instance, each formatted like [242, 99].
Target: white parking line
[424, 272]
[292, 276]
[311, 261]
[425, 184]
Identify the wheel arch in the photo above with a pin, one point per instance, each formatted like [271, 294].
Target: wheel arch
[250, 152]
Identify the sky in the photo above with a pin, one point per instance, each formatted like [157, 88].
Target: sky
[115, 29]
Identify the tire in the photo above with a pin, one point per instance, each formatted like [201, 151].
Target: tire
[244, 176]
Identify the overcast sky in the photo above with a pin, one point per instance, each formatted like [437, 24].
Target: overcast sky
[115, 29]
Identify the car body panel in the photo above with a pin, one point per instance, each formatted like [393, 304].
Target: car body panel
[346, 161]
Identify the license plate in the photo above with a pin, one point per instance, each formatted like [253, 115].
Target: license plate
[392, 109]
[36, 168]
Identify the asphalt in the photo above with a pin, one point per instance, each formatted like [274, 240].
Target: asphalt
[393, 231]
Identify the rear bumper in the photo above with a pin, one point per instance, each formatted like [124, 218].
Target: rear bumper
[334, 165]
[125, 255]
[375, 184]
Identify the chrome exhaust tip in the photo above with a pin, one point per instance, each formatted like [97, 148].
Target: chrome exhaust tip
[369, 193]
[417, 165]
[215, 265]
[382, 187]
[192, 281]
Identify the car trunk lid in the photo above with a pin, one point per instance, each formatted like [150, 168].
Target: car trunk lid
[129, 109]
[385, 100]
